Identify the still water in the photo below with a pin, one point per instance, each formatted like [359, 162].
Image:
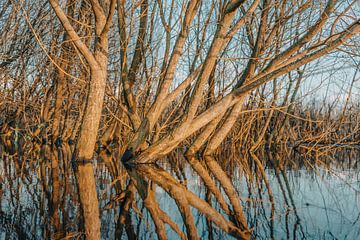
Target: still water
[311, 200]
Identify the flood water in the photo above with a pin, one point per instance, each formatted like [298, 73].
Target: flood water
[307, 200]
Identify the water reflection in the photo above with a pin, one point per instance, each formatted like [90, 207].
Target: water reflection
[289, 198]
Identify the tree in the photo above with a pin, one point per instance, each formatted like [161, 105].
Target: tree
[165, 75]
[271, 57]
[97, 62]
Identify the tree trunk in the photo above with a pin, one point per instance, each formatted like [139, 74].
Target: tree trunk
[84, 153]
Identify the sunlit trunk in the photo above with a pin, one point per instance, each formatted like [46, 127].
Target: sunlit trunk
[84, 153]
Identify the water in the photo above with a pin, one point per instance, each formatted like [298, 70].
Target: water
[313, 201]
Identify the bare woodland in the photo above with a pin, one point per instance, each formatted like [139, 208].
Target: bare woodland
[144, 79]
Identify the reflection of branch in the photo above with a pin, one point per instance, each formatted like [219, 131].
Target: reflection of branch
[182, 202]
[153, 207]
[270, 194]
[159, 216]
[229, 190]
[182, 196]
[125, 210]
[166, 219]
[209, 183]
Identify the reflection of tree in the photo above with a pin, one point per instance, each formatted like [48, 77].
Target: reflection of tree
[184, 199]
[44, 198]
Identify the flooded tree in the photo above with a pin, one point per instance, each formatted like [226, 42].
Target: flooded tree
[143, 79]
[97, 61]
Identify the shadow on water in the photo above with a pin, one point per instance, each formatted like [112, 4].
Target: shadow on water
[292, 197]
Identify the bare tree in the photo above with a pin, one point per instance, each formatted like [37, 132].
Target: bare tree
[155, 76]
